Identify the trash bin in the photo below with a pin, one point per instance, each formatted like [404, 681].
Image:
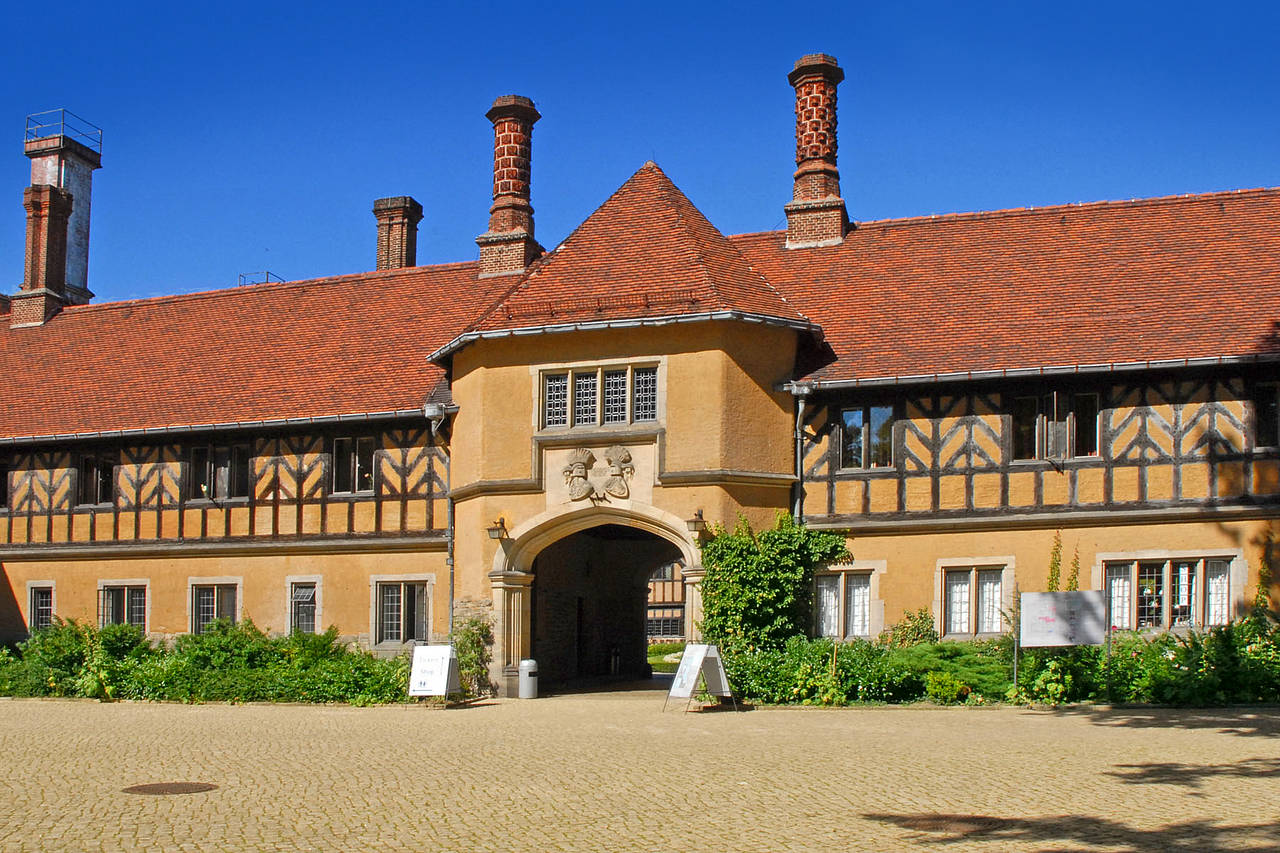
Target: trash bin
[528, 679]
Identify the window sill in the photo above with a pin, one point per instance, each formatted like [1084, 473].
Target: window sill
[969, 638]
[351, 496]
[205, 502]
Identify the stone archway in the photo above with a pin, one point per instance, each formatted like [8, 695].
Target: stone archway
[563, 535]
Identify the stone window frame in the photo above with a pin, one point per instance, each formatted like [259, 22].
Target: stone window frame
[376, 581]
[1005, 563]
[290, 582]
[126, 584]
[32, 586]
[214, 581]
[571, 371]
[872, 569]
[1237, 580]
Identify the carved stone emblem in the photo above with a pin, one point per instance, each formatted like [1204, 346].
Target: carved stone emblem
[620, 470]
[576, 472]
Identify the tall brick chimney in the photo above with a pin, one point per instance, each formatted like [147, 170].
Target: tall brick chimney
[816, 214]
[44, 283]
[398, 219]
[65, 150]
[508, 246]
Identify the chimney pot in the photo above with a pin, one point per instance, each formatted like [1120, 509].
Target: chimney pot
[398, 218]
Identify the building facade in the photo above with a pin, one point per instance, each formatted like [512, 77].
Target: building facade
[536, 437]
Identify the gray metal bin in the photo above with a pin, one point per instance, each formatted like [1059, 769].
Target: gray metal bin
[528, 679]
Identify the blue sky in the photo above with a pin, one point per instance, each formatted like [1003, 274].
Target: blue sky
[250, 136]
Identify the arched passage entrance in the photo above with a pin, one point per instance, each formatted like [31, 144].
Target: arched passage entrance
[588, 601]
[601, 554]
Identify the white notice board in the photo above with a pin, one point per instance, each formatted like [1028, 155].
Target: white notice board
[699, 659]
[1063, 618]
[434, 671]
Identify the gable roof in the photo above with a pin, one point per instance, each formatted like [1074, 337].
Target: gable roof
[349, 346]
[645, 255]
[1088, 286]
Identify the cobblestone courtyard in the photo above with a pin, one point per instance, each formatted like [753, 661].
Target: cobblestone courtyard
[609, 771]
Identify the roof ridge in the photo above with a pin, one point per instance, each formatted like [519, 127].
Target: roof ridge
[274, 286]
[1008, 212]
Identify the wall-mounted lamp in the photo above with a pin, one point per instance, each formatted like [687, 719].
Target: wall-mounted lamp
[697, 525]
[497, 530]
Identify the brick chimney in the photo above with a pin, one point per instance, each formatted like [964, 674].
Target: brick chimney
[59, 145]
[44, 284]
[816, 214]
[508, 246]
[398, 219]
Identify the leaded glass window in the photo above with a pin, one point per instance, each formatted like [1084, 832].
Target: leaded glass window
[644, 394]
[615, 396]
[555, 400]
[302, 608]
[584, 398]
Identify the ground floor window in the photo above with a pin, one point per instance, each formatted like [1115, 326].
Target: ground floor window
[664, 622]
[402, 612]
[1193, 592]
[210, 602]
[123, 605]
[971, 600]
[843, 604]
[302, 608]
[41, 613]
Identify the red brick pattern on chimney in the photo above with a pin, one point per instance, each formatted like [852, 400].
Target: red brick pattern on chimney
[817, 213]
[398, 219]
[508, 246]
[44, 282]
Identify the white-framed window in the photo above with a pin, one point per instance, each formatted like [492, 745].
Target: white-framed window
[867, 437]
[402, 611]
[972, 600]
[1055, 425]
[302, 607]
[599, 396]
[1168, 593]
[41, 605]
[843, 604]
[353, 464]
[211, 602]
[218, 471]
[122, 603]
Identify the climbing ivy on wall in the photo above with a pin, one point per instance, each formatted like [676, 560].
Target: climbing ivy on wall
[758, 587]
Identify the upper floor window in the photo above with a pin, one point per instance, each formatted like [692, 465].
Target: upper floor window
[868, 437]
[97, 478]
[1266, 415]
[4, 484]
[353, 464]
[218, 471]
[599, 396]
[1054, 426]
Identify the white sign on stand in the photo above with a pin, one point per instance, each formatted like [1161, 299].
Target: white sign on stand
[702, 660]
[1063, 619]
[434, 671]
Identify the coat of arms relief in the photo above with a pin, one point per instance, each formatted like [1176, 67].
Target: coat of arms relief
[617, 472]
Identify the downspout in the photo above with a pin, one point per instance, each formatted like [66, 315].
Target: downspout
[801, 393]
[436, 415]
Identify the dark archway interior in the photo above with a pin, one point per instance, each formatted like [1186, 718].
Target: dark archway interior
[589, 599]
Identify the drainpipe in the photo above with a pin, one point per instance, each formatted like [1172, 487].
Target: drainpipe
[801, 392]
[436, 414]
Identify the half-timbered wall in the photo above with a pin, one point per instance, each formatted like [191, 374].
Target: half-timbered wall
[1160, 444]
[289, 496]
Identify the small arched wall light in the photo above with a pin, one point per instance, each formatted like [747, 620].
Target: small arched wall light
[697, 525]
[497, 530]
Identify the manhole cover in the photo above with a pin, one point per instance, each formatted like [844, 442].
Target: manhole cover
[160, 788]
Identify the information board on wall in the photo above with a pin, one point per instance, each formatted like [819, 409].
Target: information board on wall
[1063, 619]
[434, 671]
[704, 660]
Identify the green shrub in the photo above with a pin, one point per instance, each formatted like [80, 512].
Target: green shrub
[983, 665]
[472, 642]
[820, 672]
[945, 689]
[914, 629]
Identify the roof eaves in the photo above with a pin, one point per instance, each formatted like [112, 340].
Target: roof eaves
[227, 426]
[597, 325]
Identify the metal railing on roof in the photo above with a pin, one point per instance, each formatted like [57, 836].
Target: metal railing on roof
[64, 123]
[260, 277]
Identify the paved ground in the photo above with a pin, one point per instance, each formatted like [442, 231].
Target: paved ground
[610, 772]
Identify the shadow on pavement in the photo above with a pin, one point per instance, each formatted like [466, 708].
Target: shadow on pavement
[1252, 721]
[1081, 832]
[1194, 775]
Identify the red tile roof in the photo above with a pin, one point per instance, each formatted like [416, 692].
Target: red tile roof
[1133, 281]
[321, 348]
[646, 252]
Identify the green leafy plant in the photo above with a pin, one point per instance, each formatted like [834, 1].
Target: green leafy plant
[945, 689]
[914, 628]
[1055, 562]
[473, 641]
